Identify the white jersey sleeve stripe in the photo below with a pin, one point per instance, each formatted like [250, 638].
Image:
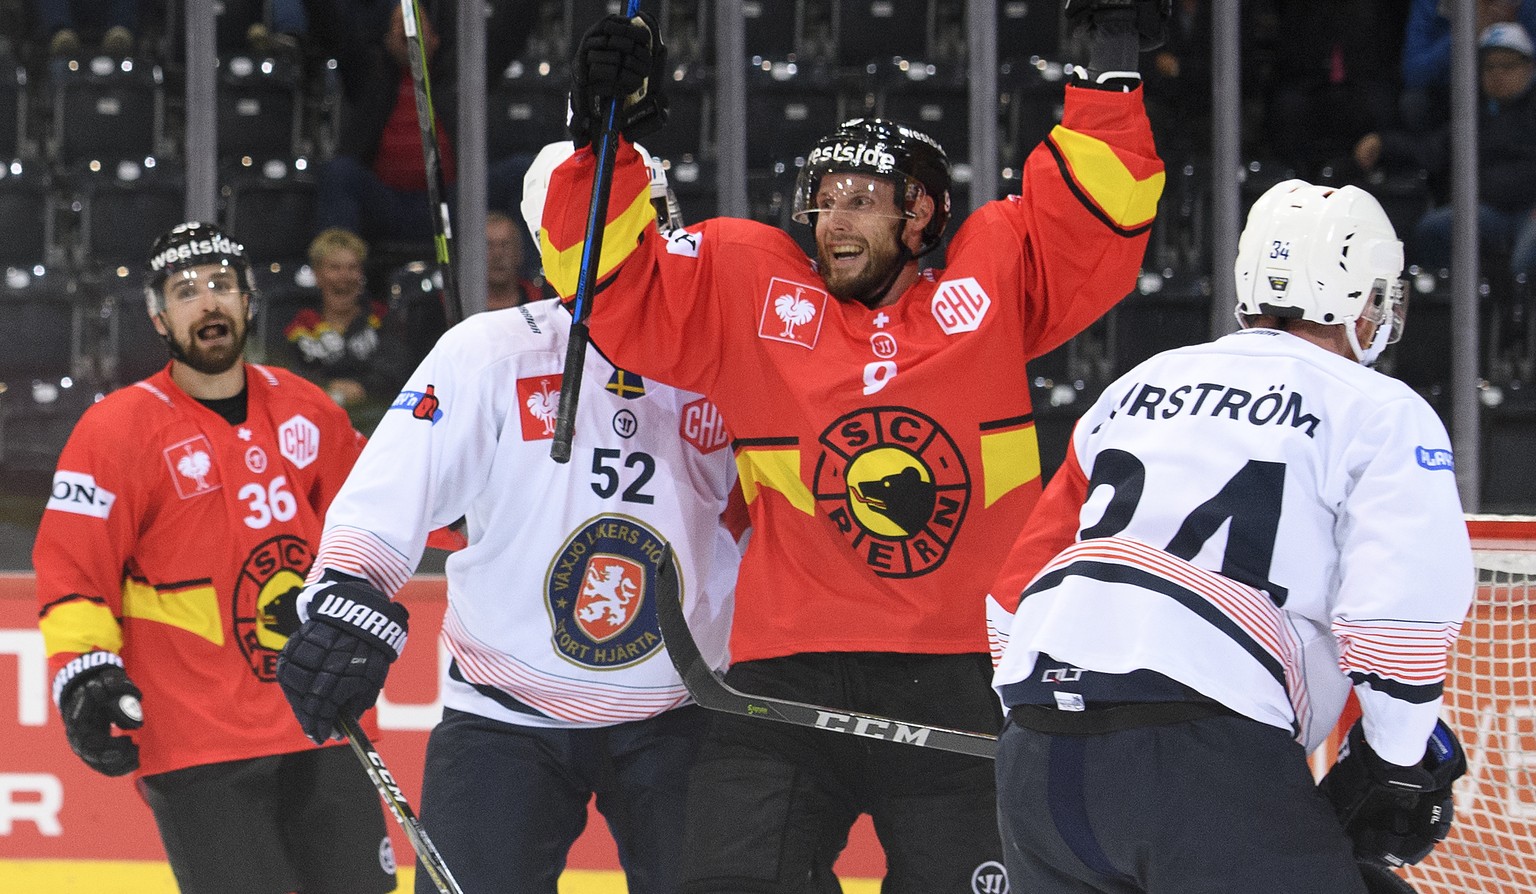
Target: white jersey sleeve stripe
[363, 554]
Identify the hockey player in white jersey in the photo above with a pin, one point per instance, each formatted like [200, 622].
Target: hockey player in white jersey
[1242, 532]
[556, 688]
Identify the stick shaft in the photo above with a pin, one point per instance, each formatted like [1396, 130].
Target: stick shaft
[442, 227]
[709, 690]
[394, 799]
[586, 281]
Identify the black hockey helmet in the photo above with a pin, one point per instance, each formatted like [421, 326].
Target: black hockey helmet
[881, 148]
[192, 244]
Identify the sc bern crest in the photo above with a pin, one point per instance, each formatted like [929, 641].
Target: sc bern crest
[896, 485]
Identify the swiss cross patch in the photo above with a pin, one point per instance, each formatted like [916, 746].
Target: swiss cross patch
[299, 441]
[792, 312]
[702, 426]
[960, 305]
[192, 467]
[538, 403]
[610, 596]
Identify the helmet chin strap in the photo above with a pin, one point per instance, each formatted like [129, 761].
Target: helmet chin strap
[1370, 354]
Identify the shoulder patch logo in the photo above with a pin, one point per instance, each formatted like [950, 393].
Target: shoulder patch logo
[79, 493]
[298, 440]
[792, 312]
[422, 405]
[1434, 460]
[538, 403]
[682, 242]
[192, 468]
[703, 426]
[960, 305]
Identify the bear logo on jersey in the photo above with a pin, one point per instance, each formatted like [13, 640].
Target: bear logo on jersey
[599, 593]
[271, 570]
[896, 485]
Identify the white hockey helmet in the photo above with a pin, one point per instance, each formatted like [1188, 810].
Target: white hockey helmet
[1324, 254]
[536, 186]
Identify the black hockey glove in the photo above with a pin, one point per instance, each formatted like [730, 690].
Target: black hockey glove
[619, 57]
[94, 694]
[336, 662]
[1115, 33]
[1394, 814]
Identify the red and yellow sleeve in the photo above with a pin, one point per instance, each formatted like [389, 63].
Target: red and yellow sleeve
[1051, 528]
[562, 238]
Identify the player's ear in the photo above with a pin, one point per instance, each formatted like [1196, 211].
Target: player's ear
[922, 213]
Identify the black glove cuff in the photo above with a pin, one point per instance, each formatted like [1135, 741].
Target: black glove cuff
[78, 668]
[1113, 44]
[362, 611]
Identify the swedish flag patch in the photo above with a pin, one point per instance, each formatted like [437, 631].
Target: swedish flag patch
[626, 384]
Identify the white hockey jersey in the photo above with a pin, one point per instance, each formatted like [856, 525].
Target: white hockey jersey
[551, 617]
[1263, 521]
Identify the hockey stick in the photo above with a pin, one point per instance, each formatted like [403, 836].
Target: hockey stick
[586, 281]
[442, 229]
[709, 689]
[394, 799]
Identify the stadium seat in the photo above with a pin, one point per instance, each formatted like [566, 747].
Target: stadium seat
[105, 110]
[788, 110]
[1028, 29]
[1169, 309]
[689, 97]
[260, 107]
[122, 207]
[878, 30]
[13, 107]
[694, 181]
[933, 99]
[772, 27]
[129, 348]
[270, 208]
[526, 108]
[1031, 98]
[26, 207]
[48, 379]
[278, 299]
[416, 300]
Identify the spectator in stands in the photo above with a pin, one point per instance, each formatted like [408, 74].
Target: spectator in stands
[1330, 81]
[506, 283]
[65, 24]
[349, 345]
[1424, 104]
[1506, 148]
[265, 27]
[376, 184]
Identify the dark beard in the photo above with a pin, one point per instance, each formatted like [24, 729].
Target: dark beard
[869, 287]
[210, 362]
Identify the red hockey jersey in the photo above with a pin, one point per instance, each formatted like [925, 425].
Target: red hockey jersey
[167, 534]
[888, 456]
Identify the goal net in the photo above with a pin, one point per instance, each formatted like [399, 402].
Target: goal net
[1489, 702]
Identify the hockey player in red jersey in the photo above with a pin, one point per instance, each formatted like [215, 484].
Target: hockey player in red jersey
[182, 519]
[883, 433]
[1243, 533]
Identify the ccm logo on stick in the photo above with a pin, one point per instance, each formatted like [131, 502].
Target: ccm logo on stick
[889, 730]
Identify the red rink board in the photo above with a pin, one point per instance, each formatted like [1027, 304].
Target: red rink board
[53, 807]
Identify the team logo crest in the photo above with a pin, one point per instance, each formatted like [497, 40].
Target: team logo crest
[600, 593]
[192, 468]
[538, 403]
[268, 574]
[792, 312]
[896, 485]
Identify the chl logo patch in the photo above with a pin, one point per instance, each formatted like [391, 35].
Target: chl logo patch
[538, 403]
[792, 312]
[192, 467]
[272, 569]
[702, 426]
[299, 441]
[599, 593]
[897, 487]
[960, 305]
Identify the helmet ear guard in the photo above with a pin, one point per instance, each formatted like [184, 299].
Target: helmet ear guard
[1325, 255]
[911, 159]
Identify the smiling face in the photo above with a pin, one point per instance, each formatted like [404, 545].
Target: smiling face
[339, 276]
[205, 317]
[858, 231]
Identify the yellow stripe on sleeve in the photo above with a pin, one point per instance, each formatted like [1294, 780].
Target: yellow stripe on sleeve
[78, 626]
[562, 267]
[194, 609]
[1127, 200]
[1009, 460]
[778, 469]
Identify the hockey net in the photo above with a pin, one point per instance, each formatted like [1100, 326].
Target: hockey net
[1490, 703]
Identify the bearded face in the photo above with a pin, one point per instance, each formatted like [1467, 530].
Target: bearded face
[204, 319]
[858, 236]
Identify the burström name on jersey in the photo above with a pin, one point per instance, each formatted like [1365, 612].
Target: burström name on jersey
[1274, 407]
